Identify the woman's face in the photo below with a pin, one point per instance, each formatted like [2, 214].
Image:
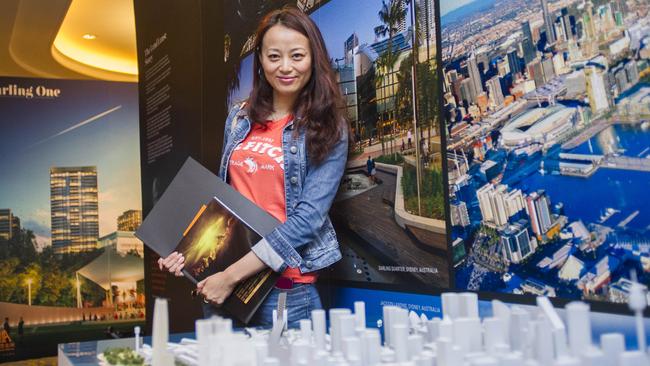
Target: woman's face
[286, 60]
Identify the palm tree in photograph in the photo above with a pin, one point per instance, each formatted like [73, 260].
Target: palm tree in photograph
[392, 14]
[427, 94]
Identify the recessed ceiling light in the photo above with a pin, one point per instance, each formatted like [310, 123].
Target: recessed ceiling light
[89, 36]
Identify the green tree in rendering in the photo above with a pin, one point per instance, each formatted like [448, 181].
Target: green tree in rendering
[56, 290]
[50, 276]
[8, 282]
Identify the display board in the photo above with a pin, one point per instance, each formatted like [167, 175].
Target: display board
[179, 63]
[546, 105]
[70, 267]
[392, 229]
[533, 185]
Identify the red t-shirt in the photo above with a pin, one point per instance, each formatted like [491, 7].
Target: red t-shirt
[256, 170]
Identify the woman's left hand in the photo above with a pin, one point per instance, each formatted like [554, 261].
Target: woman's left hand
[217, 288]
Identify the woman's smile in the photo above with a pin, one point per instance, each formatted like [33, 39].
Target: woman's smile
[287, 80]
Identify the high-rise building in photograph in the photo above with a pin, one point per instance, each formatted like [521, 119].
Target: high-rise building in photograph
[548, 23]
[559, 67]
[474, 75]
[528, 46]
[539, 211]
[565, 20]
[515, 243]
[503, 68]
[6, 220]
[493, 204]
[548, 68]
[427, 28]
[536, 72]
[129, 221]
[543, 207]
[74, 209]
[559, 32]
[459, 215]
[467, 91]
[348, 48]
[514, 200]
[494, 89]
[588, 20]
[401, 25]
[632, 72]
[15, 225]
[513, 61]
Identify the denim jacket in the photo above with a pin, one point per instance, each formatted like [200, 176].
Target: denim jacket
[306, 239]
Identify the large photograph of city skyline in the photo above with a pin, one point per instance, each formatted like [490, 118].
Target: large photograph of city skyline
[69, 204]
[391, 228]
[547, 110]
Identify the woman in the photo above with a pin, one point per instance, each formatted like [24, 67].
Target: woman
[285, 149]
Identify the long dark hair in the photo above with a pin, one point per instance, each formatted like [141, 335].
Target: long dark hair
[319, 107]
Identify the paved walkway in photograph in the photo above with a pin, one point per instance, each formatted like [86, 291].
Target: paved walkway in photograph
[370, 215]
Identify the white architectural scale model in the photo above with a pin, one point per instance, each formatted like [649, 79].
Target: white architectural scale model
[512, 336]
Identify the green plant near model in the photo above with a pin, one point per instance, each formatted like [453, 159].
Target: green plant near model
[123, 356]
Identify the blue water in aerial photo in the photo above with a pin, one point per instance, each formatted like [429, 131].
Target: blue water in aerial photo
[622, 139]
[588, 199]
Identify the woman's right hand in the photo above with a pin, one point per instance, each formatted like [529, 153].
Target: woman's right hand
[174, 263]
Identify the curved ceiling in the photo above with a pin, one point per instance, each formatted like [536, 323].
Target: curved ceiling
[45, 39]
[113, 46]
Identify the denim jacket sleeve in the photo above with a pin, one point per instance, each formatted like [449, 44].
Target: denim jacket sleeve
[279, 248]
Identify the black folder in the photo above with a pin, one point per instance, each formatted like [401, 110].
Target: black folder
[213, 225]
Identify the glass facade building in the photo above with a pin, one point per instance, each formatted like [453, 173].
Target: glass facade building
[74, 209]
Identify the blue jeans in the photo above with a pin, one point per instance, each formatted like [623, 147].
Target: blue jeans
[301, 300]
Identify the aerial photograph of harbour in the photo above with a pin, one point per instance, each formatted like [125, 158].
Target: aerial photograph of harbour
[547, 110]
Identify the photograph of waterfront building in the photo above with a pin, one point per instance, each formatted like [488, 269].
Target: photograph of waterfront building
[546, 110]
[69, 203]
[391, 228]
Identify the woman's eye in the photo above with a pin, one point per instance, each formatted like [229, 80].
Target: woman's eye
[273, 57]
[298, 56]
